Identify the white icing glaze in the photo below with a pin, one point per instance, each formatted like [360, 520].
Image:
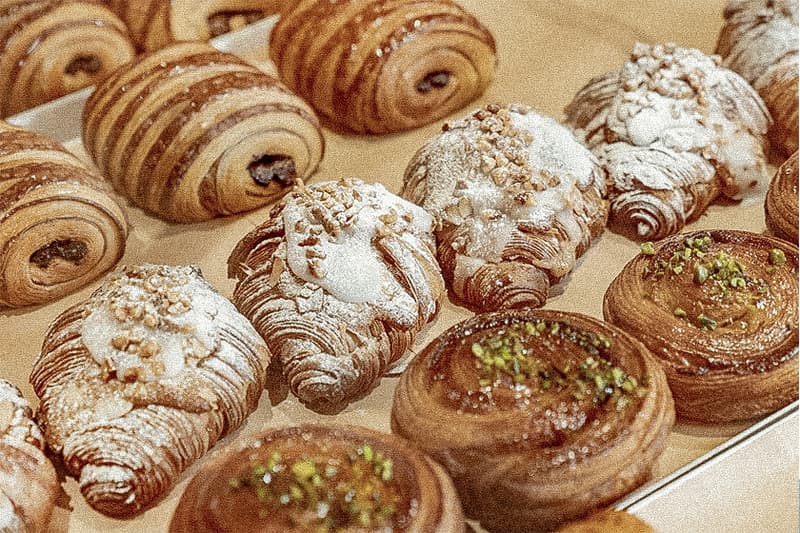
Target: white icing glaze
[9, 520]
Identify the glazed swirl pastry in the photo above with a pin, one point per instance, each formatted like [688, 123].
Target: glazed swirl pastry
[759, 41]
[54, 47]
[516, 200]
[370, 66]
[143, 378]
[338, 280]
[540, 417]
[59, 228]
[673, 130]
[190, 133]
[28, 483]
[719, 310]
[780, 205]
[321, 479]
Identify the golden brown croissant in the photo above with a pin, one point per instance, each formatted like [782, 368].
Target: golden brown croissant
[53, 47]
[190, 133]
[609, 521]
[673, 130]
[540, 417]
[370, 66]
[28, 483]
[338, 280]
[759, 41]
[143, 378]
[516, 200]
[59, 227]
[322, 479]
[780, 205]
[719, 311]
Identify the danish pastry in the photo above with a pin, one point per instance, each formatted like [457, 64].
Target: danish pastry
[369, 66]
[143, 378]
[606, 522]
[780, 205]
[516, 200]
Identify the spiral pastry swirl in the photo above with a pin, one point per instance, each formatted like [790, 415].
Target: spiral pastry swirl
[54, 47]
[370, 66]
[189, 133]
[780, 205]
[59, 227]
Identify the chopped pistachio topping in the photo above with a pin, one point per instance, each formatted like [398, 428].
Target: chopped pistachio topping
[680, 313]
[777, 257]
[647, 248]
[707, 322]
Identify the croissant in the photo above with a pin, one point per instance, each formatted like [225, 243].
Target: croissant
[540, 417]
[28, 483]
[189, 133]
[54, 47]
[780, 205]
[719, 311]
[608, 521]
[369, 66]
[141, 379]
[759, 41]
[338, 280]
[59, 228]
[320, 478]
[516, 200]
[672, 130]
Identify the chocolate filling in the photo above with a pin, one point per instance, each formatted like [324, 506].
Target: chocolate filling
[269, 168]
[434, 80]
[88, 64]
[69, 250]
[225, 21]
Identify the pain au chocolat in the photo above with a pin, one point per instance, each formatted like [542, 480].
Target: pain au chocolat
[540, 417]
[780, 205]
[321, 479]
[719, 311]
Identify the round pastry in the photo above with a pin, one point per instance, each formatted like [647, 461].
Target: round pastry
[321, 479]
[780, 205]
[673, 130]
[338, 280]
[59, 227]
[606, 522]
[28, 482]
[54, 47]
[189, 133]
[516, 200]
[719, 311]
[759, 41]
[369, 66]
[540, 417]
[141, 379]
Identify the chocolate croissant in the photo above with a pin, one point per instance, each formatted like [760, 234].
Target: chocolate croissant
[54, 47]
[28, 483]
[516, 200]
[141, 379]
[338, 280]
[369, 66]
[322, 479]
[59, 227]
[780, 205]
[759, 41]
[189, 133]
[673, 130]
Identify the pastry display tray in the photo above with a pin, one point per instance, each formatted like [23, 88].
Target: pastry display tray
[739, 477]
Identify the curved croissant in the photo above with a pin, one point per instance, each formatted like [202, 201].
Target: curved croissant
[607, 521]
[369, 66]
[142, 379]
[673, 130]
[54, 47]
[28, 483]
[780, 205]
[516, 200]
[190, 133]
[59, 228]
[759, 41]
[338, 281]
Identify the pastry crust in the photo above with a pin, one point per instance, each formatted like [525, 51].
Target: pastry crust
[608, 521]
[673, 130]
[189, 133]
[338, 280]
[721, 318]
[140, 380]
[221, 497]
[370, 66]
[516, 200]
[780, 205]
[59, 226]
[540, 417]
